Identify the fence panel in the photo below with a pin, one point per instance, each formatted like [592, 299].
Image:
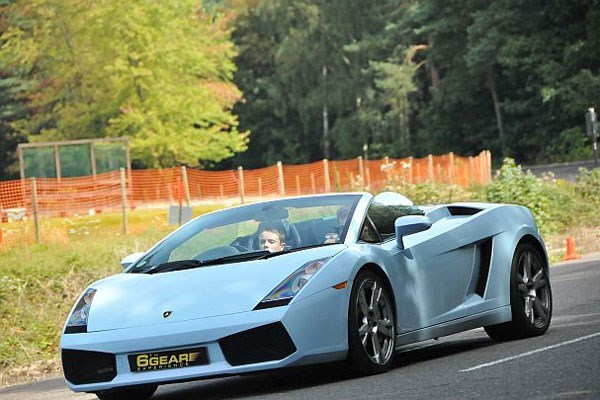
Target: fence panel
[92, 194]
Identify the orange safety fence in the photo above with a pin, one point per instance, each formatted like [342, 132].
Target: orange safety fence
[32, 198]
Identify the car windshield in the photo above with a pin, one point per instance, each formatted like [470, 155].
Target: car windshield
[254, 231]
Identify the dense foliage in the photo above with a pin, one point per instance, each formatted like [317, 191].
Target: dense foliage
[156, 72]
[341, 78]
[551, 206]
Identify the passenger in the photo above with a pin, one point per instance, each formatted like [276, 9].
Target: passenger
[272, 239]
[335, 236]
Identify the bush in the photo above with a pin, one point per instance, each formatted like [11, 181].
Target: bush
[588, 185]
[550, 203]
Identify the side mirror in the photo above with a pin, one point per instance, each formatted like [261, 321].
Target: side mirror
[130, 259]
[408, 225]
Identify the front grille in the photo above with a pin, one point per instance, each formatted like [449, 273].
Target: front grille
[82, 367]
[266, 343]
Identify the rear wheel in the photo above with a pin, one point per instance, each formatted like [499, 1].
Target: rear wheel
[371, 325]
[141, 392]
[530, 297]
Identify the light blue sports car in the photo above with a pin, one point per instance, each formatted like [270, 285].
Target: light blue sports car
[306, 280]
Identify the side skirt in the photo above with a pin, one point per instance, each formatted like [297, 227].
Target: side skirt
[492, 317]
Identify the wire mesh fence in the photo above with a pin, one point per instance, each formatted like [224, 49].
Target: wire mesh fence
[27, 204]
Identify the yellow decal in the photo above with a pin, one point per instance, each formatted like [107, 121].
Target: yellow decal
[155, 361]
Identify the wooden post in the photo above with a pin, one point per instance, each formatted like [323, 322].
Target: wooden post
[488, 172]
[280, 180]
[128, 164]
[470, 170]
[186, 188]
[387, 169]
[368, 175]
[312, 183]
[452, 170]
[298, 185]
[326, 174]
[361, 170]
[241, 183]
[123, 199]
[411, 175]
[36, 217]
[259, 186]
[430, 168]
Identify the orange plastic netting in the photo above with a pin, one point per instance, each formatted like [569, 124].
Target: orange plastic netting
[21, 199]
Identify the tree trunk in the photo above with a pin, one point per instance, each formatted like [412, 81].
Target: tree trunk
[433, 72]
[325, 120]
[498, 111]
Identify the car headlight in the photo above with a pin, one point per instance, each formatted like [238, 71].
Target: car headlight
[78, 320]
[286, 290]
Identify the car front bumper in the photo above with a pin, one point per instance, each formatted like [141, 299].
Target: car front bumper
[317, 326]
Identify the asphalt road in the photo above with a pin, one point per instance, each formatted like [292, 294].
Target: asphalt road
[563, 364]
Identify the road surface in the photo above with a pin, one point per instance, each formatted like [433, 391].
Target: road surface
[563, 364]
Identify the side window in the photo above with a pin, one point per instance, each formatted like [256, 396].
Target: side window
[384, 217]
[368, 233]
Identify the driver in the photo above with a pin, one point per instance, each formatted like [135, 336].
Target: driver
[271, 238]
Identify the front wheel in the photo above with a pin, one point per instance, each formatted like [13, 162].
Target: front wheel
[141, 392]
[530, 297]
[371, 325]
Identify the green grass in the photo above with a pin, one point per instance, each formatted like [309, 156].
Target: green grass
[40, 282]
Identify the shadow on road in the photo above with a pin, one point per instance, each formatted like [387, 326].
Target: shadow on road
[304, 377]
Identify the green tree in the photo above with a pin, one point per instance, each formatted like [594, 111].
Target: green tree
[13, 86]
[320, 79]
[157, 72]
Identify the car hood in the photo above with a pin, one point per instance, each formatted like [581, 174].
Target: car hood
[130, 300]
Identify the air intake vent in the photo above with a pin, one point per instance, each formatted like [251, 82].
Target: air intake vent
[88, 366]
[485, 257]
[462, 210]
[265, 343]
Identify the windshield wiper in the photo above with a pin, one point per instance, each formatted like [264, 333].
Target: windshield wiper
[191, 264]
[293, 250]
[175, 266]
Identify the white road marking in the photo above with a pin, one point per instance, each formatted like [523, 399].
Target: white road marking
[554, 346]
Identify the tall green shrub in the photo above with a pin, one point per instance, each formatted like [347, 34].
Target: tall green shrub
[549, 203]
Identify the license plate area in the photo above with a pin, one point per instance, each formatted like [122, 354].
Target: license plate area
[157, 360]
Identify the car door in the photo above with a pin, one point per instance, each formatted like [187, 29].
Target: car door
[437, 272]
[433, 274]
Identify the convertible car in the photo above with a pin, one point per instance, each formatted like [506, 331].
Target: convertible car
[346, 277]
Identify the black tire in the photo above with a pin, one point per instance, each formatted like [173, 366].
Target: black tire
[141, 392]
[530, 297]
[371, 325]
